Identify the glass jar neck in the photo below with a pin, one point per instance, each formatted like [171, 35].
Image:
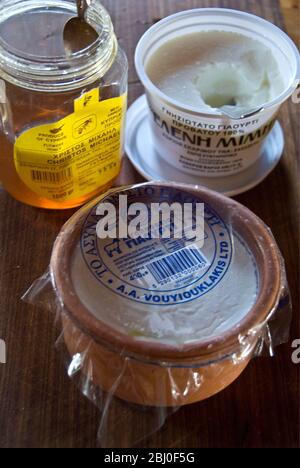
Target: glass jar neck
[57, 73]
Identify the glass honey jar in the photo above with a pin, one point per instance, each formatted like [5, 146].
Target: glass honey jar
[61, 115]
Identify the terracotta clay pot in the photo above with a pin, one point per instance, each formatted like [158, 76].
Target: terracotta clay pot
[161, 374]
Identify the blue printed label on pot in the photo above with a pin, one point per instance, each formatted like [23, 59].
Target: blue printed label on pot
[158, 271]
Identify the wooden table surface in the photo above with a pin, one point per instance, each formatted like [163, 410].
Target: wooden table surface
[40, 406]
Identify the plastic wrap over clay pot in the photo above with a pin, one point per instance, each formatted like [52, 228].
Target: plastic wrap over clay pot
[165, 323]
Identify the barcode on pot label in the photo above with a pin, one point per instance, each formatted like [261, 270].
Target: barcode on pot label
[52, 177]
[184, 261]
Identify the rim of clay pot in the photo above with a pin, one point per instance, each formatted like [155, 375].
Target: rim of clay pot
[251, 228]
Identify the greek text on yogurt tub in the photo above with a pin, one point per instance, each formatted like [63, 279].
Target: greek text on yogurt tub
[196, 63]
[167, 303]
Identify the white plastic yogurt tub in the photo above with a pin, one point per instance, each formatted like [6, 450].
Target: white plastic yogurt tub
[201, 141]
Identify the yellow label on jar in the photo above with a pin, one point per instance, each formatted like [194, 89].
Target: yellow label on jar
[75, 156]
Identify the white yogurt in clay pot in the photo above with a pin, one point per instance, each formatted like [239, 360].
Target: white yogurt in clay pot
[197, 66]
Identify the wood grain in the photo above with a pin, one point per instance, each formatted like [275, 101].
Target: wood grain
[41, 407]
[291, 13]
